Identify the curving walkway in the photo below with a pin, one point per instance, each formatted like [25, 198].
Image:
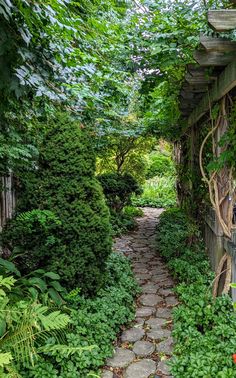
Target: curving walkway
[143, 349]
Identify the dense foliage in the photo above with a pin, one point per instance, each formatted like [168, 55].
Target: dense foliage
[118, 189]
[159, 188]
[39, 340]
[75, 242]
[204, 327]
[25, 327]
[104, 74]
[95, 322]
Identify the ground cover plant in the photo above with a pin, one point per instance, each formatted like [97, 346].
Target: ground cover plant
[94, 325]
[70, 339]
[204, 327]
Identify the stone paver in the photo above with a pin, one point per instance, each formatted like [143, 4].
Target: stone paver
[132, 334]
[163, 312]
[107, 374]
[150, 299]
[165, 346]
[163, 368]
[157, 334]
[156, 322]
[142, 312]
[141, 369]
[150, 288]
[172, 301]
[122, 358]
[149, 336]
[143, 348]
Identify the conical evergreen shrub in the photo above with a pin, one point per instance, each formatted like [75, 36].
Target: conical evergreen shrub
[65, 184]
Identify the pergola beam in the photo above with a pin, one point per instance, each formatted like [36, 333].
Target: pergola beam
[217, 44]
[225, 82]
[213, 58]
[222, 20]
[199, 79]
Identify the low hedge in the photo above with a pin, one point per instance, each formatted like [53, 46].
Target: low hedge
[204, 327]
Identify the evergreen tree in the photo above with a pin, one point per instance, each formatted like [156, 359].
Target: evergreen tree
[65, 184]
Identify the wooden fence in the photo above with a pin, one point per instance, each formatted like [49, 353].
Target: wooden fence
[7, 199]
[210, 81]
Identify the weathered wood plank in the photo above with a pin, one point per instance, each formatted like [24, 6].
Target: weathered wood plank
[222, 20]
[213, 58]
[217, 44]
[188, 95]
[196, 88]
[198, 79]
[225, 82]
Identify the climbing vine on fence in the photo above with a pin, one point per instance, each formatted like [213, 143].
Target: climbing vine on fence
[221, 169]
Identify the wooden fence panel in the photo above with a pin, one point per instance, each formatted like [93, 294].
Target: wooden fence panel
[7, 199]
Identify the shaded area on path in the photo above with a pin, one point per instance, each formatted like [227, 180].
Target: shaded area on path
[143, 348]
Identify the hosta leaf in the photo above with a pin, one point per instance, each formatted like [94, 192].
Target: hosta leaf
[38, 282]
[52, 275]
[9, 266]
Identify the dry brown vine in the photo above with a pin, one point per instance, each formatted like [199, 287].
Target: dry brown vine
[213, 181]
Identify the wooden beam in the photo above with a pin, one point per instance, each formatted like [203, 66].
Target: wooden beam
[217, 44]
[196, 88]
[225, 82]
[186, 95]
[198, 79]
[213, 58]
[222, 20]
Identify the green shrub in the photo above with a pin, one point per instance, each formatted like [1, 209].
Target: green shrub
[175, 232]
[95, 322]
[160, 165]
[30, 236]
[64, 183]
[118, 189]
[125, 221]
[204, 327]
[157, 192]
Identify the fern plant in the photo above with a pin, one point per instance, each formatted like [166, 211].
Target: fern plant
[24, 329]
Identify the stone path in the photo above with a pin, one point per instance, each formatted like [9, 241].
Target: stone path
[143, 349]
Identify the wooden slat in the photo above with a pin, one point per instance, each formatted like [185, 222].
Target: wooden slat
[197, 79]
[188, 95]
[222, 20]
[197, 88]
[226, 81]
[217, 44]
[213, 58]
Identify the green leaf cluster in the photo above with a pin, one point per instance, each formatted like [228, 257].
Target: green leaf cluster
[95, 322]
[204, 327]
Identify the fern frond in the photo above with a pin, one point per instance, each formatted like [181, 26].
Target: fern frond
[32, 323]
[7, 282]
[65, 350]
[5, 359]
[51, 321]
[12, 372]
